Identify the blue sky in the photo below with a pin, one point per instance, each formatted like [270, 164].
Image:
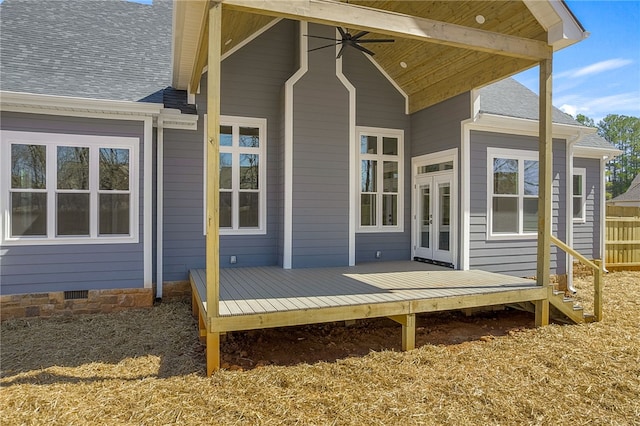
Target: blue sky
[599, 75]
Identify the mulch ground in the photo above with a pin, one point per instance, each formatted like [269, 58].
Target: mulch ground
[147, 367]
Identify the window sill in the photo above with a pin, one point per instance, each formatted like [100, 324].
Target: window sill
[34, 241]
[395, 229]
[243, 231]
[506, 237]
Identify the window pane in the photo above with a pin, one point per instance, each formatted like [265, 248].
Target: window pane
[114, 170]
[368, 145]
[28, 214]
[250, 137]
[390, 182]
[369, 176]
[249, 209]
[28, 166]
[577, 185]
[530, 177]
[505, 176]
[225, 209]
[226, 136]
[225, 171]
[73, 214]
[367, 209]
[73, 167]
[577, 207]
[114, 214]
[390, 146]
[390, 210]
[249, 171]
[530, 215]
[505, 215]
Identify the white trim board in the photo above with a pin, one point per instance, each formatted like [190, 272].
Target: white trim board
[353, 175]
[287, 254]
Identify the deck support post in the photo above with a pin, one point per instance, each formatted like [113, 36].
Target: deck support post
[545, 190]
[408, 323]
[213, 166]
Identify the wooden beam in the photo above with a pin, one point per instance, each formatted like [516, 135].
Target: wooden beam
[545, 190]
[202, 52]
[213, 165]
[335, 13]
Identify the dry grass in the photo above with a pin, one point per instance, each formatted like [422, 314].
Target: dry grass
[146, 367]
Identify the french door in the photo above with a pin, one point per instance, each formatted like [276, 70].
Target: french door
[433, 218]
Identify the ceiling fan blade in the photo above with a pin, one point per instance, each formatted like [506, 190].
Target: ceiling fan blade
[363, 49]
[360, 34]
[323, 47]
[342, 32]
[379, 40]
[340, 52]
[323, 38]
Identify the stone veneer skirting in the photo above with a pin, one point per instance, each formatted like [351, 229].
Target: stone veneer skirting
[98, 301]
[54, 303]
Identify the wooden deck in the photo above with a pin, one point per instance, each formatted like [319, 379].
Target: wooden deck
[262, 297]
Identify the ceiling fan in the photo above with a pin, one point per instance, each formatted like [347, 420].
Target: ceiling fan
[353, 40]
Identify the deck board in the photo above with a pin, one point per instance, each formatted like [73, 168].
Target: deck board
[387, 286]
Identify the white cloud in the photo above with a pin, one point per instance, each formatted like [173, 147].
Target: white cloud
[569, 109]
[597, 68]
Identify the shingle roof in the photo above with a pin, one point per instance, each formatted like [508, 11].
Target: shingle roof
[633, 193]
[102, 49]
[511, 99]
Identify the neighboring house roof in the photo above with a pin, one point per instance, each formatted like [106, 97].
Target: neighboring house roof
[512, 99]
[632, 194]
[114, 49]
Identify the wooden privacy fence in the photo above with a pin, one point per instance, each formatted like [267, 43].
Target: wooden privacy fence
[623, 238]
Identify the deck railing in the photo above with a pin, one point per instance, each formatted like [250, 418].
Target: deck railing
[598, 273]
[623, 237]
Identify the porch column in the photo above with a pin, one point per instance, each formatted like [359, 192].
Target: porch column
[545, 187]
[213, 164]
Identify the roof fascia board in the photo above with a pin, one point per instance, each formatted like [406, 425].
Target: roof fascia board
[523, 126]
[10, 101]
[331, 12]
[597, 153]
[563, 29]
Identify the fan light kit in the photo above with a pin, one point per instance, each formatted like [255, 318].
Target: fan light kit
[348, 39]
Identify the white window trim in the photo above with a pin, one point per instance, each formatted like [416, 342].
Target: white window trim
[235, 122]
[380, 133]
[580, 171]
[51, 140]
[516, 154]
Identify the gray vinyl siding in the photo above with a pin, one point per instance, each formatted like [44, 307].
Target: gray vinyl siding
[320, 225]
[379, 104]
[46, 268]
[437, 128]
[512, 257]
[586, 236]
[252, 83]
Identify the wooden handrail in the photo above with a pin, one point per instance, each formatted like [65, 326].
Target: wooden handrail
[598, 271]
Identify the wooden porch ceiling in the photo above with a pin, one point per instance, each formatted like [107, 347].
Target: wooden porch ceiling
[445, 49]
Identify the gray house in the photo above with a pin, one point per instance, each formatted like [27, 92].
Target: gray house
[327, 157]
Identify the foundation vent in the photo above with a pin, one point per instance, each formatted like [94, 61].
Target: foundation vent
[76, 294]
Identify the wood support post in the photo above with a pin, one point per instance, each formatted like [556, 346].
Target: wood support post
[597, 291]
[213, 352]
[213, 165]
[545, 186]
[408, 323]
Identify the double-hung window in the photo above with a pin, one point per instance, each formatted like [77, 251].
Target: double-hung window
[380, 174]
[69, 189]
[242, 178]
[512, 192]
[579, 187]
